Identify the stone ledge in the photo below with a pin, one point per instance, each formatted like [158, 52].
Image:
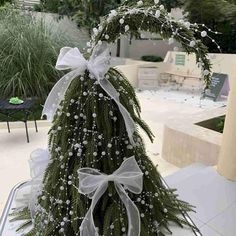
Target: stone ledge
[185, 143]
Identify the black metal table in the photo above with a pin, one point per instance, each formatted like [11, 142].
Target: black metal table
[9, 110]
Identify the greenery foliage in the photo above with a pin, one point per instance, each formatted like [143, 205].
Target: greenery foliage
[142, 20]
[2, 2]
[86, 13]
[165, 207]
[52, 6]
[152, 58]
[28, 54]
[221, 124]
[89, 131]
[219, 15]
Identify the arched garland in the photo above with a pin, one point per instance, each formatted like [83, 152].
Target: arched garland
[142, 16]
[126, 20]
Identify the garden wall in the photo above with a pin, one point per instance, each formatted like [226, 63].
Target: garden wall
[185, 142]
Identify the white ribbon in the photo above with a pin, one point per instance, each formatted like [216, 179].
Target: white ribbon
[94, 184]
[98, 65]
[39, 160]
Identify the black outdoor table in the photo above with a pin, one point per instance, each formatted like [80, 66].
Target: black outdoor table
[9, 110]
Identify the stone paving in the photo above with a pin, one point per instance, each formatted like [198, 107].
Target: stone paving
[156, 110]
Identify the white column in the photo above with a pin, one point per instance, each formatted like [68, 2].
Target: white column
[227, 158]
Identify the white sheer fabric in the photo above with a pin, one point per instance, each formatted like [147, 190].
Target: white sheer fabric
[94, 184]
[39, 160]
[98, 65]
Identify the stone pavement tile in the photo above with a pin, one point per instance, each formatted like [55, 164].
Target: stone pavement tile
[208, 191]
[225, 223]
[171, 169]
[14, 156]
[15, 152]
[197, 222]
[208, 231]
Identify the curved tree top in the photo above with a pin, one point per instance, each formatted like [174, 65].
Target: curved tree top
[132, 18]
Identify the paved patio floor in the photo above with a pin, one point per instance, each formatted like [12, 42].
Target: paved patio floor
[15, 152]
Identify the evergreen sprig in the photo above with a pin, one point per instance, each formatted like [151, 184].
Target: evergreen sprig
[89, 131]
[132, 19]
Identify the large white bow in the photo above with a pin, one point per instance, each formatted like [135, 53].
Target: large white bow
[39, 160]
[94, 184]
[98, 65]
[27, 195]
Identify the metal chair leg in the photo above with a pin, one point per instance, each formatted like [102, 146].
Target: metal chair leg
[36, 127]
[27, 133]
[26, 125]
[8, 127]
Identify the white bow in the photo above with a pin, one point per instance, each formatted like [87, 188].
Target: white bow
[94, 184]
[39, 160]
[98, 65]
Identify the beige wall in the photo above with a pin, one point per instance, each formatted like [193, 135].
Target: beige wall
[130, 69]
[221, 63]
[227, 160]
[185, 143]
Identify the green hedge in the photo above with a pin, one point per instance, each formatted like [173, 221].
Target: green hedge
[152, 58]
[28, 52]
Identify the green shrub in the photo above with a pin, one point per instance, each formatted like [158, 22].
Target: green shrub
[28, 52]
[152, 58]
[48, 6]
[221, 124]
[2, 2]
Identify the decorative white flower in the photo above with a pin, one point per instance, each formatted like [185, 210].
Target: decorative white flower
[171, 40]
[158, 13]
[132, 11]
[192, 43]
[126, 28]
[113, 13]
[187, 24]
[121, 21]
[156, 1]
[140, 3]
[162, 7]
[95, 31]
[107, 36]
[206, 72]
[88, 44]
[203, 33]
[100, 28]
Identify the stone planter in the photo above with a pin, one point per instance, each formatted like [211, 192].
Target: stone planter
[186, 142]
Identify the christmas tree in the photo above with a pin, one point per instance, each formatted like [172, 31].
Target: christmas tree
[99, 180]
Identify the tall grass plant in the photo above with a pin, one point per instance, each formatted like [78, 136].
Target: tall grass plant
[28, 52]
